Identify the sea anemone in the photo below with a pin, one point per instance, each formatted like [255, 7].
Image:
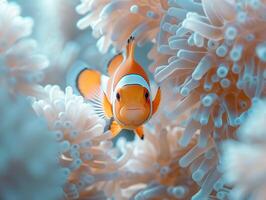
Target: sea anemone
[217, 65]
[216, 62]
[152, 172]
[206, 141]
[87, 152]
[113, 22]
[20, 65]
[170, 25]
[29, 167]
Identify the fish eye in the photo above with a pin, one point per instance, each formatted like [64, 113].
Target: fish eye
[118, 96]
[147, 95]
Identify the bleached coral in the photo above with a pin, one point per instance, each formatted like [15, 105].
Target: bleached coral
[20, 64]
[86, 150]
[29, 167]
[114, 21]
[244, 160]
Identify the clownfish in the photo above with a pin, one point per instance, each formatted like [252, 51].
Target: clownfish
[125, 96]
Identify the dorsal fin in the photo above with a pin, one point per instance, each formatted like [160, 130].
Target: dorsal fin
[130, 47]
[114, 63]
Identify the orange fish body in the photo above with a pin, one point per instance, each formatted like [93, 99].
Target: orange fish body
[127, 94]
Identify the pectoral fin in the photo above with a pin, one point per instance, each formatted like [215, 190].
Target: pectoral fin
[107, 106]
[139, 131]
[156, 101]
[115, 128]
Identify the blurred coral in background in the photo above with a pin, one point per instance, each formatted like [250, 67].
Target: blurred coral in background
[29, 167]
[21, 67]
[243, 160]
[207, 141]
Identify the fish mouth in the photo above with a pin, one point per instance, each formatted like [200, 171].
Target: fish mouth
[134, 109]
[133, 115]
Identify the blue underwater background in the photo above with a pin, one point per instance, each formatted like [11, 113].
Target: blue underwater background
[207, 140]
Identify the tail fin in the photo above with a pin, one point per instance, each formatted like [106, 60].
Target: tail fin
[88, 82]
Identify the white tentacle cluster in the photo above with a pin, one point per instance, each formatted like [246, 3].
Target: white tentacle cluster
[114, 21]
[87, 153]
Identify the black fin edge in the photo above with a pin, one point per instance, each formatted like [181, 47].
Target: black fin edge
[77, 78]
[130, 39]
